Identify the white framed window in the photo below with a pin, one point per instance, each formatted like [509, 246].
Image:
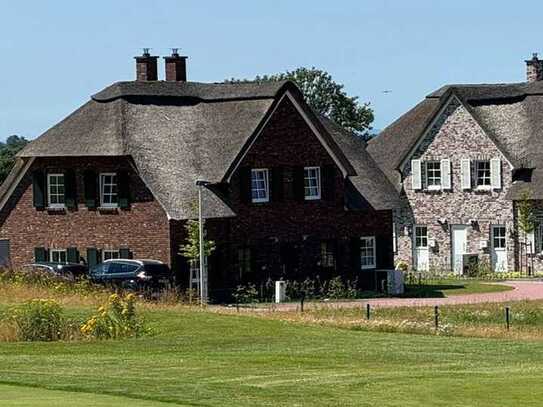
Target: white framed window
[312, 183]
[55, 190]
[58, 256]
[260, 185]
[498, 237]
[433, 174]
[367, 252]
[328, 254]
[110, 255]
[109, 195]
[483, 174]
[421, 236]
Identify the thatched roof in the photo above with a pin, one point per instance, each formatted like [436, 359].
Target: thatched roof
[178, 132]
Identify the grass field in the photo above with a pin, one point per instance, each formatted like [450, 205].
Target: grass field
[446, 288]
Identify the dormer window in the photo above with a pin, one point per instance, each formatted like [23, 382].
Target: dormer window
[109, 195]
[260, 186]
[433, 174]
[482, 174]
[55, 190]
[312, 183]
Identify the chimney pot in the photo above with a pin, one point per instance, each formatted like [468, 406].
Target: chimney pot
[176, 67]
[146, 66]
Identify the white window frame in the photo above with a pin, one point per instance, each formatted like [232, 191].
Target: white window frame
[49, 193]
[102, 203]
[501, 238]
[438, 180]
[476, 175]
[308, 176]
[421, 237]
[59, 252]
[373, 264]
[110, 251]
[266, 189]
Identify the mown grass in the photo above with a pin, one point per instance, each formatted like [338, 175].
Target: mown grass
[446, 288]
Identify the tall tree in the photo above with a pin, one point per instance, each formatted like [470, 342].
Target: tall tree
[8, 150]
[327, 97]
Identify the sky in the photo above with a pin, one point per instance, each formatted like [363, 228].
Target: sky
[55, 54]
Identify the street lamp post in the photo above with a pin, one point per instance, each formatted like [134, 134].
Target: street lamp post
[201, 184]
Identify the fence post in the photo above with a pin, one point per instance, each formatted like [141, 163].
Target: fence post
[436, 317]
[368, 311]
[507, 317]
[302, 302]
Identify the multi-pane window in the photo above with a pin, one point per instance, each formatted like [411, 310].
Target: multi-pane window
[58, 256]
[498, 237]
[260, 186]
[421, 236]
[110, 255]
[312, 183]
[328, 255]
[55, 186]
[244, 261]
[367, 252]
[109, 196]
[433, 174]
[482, 173]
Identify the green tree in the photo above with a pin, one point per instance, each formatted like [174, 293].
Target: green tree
[191, 250]
[8, 150]
[526, 223]
[326, 97]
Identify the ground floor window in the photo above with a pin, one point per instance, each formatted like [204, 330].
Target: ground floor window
[421, 236]
[58, 256]
[328, 254]
[498, 237]
[110, 255]
[243, 261]
[367, 252]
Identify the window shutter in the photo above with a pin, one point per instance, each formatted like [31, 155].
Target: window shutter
[328, 182]
[416, 174]
[125, 253]
[496, 173]
[355, 254]
[123, 178]
[530, 243]
[276, 185]
[72, 255]
[465, 171]
[384, 257]
[91, 189]
[70, 189]
[93, 257]
[446, 174]
[298, 184]
[39, 189]
[245, 184]
[40, 254]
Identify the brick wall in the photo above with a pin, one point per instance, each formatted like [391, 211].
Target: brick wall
[454, 135]
[143, 228]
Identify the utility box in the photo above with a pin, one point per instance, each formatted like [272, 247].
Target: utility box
[280, 292]
[395, 282]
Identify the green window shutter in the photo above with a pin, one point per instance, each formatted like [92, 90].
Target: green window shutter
[125, 253]
[123, 179]
[72, 255]
[40, 254]
[70, 189]
[277, 185]
[91, 189]
[298, 184]
[245, 184]
[39, 189]
[93, 257]
[328, 182]
[355, 254]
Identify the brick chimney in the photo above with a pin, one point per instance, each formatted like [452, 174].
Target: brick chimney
[534, 69]
[146, 67]
[176, 67]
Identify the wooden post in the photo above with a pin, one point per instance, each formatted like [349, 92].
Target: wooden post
[368, 311]
[302, 302]
[436, 317]
[507, 317]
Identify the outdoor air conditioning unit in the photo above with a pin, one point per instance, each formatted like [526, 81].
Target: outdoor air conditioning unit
[469, 262]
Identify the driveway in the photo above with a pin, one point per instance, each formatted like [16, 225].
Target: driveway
[523, 290]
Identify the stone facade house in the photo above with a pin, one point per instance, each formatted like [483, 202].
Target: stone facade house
[461, 160]
[290, 195]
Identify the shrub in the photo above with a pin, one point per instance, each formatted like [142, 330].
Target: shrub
[115, 319]
[246, 294]
[38, 320]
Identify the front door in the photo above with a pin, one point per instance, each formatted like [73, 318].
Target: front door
[459, 246]
[421, 252]
[499, 251]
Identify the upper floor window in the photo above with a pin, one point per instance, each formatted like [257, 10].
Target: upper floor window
[109, 196]
[55, 189]
[433, 174]
[482, 174]
[367, 252]
[260, 186]
[312, 183]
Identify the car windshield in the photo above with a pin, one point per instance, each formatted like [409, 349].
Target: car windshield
[156, 269]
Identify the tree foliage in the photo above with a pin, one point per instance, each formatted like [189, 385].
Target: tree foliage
[12, 146]
[526, 216]
[191, 250]
[326, 97]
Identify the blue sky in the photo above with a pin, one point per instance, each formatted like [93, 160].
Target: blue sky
[55, 54]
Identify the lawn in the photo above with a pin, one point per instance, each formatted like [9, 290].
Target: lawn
[203, 358]
[446, 288]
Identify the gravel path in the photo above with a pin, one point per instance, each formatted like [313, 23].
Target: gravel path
[523, 290]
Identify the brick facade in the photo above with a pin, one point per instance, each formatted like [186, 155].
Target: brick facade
[455, 135]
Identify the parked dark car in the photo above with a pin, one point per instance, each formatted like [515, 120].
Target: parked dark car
[132, 274]
[63, 271]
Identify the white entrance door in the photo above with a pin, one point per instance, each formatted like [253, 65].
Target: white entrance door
[459, 246]
[499, 250]
[421, 252]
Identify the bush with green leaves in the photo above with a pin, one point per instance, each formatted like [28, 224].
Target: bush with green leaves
[38, 320]
[246, 294]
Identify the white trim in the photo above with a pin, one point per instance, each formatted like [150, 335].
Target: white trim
[64, 251]
[318, 196]
[55, 205]
[374, 264]
[266, 171]
[108, 205]
[15, 183]
[308, 122]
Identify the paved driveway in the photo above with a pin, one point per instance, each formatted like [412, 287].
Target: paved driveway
[523, 290]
